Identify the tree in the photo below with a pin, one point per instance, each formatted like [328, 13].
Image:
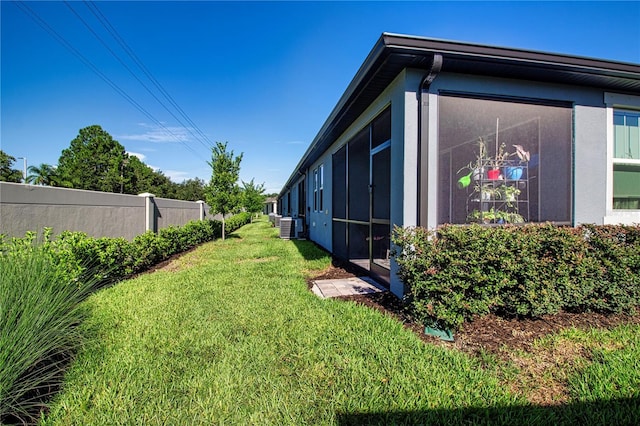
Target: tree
[191, 190]
[136, 177]
[223, 192]
[93, 161]
[253, 197]
[44, 174]
[7, 174]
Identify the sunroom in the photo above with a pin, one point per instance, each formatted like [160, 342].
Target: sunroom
[432, 132]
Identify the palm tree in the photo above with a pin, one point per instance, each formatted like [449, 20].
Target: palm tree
[44, 174]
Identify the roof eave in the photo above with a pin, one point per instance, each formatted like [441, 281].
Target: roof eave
[417, 52]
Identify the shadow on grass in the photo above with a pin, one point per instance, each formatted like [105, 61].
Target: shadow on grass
[231, 236]
[310, 250]
[624, 411]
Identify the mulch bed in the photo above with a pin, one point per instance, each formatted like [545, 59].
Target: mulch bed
[489, 333]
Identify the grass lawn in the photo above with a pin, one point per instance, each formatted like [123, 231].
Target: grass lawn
[229, 334]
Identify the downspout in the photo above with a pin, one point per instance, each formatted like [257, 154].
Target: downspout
[423, 135]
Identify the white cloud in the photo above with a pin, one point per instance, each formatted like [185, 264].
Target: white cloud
[157, 134]
[176, 175]
[141, 157]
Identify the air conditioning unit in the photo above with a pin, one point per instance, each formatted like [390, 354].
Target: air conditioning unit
[276, 219]
[287, 228]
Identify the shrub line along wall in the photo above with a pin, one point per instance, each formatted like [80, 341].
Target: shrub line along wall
[26, 208]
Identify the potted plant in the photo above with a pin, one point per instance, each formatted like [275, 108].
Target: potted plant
[476, 169]
[514, 171]
[494, 216]
[497, 163]
[478, 216]
[510, 194]
[509, 217]
[488, 191]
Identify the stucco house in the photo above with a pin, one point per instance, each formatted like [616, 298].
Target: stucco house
[431, 132]
[270, 205]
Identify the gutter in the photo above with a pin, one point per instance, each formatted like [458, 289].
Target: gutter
[423, 135]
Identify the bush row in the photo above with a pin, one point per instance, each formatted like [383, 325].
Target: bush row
[41, 286]
[456, 272]
[106, 260]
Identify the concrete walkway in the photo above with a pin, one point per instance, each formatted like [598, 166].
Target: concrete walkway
[346, 287]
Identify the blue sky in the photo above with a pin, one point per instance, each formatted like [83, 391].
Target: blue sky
[262, 76]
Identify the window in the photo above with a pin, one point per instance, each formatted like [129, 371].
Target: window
[315, 190]
[503, 160]
[321, 187]
[318, 188]
[626, 159]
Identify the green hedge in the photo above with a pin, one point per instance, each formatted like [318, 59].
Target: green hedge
[459, 272]
[41, 286]
[107, 260]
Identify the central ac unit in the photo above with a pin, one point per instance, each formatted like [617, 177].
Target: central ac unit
[287, 228]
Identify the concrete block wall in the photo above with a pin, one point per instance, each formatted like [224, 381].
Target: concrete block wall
[99, 214]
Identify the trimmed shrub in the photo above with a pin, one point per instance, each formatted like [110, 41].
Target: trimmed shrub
[107, 260]
[237, 221]
[41, 286]
[459, 272]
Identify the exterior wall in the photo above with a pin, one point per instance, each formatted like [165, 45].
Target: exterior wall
[591, 175]
[99, 214]
[590, 169]
[270, 206]
[320, 221]
[284, 202]
[295, 196]
[293, 208]
[413, 204]
[401, 95]
[404, 159]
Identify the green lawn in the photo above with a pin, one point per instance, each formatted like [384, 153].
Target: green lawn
[229, 334]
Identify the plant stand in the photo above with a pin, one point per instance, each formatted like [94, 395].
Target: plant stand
[499, 195]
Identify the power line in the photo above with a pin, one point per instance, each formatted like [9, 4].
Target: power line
[120, 40]
[52, 32]
[115, 55]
